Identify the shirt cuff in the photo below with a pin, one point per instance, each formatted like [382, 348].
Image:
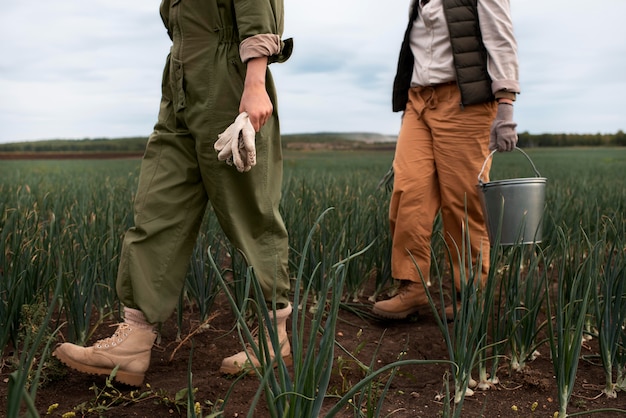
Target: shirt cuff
[504, 86]
[503, 94]
[262, 45]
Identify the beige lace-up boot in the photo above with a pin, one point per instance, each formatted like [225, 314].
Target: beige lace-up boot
[240, 362]
[129, 348]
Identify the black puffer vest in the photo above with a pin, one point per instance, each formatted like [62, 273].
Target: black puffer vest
[470, 56]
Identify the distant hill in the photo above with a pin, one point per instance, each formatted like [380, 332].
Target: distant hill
[367, 137]
[135, 145]
[339, 141]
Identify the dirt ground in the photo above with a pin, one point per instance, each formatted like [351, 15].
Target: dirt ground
[414, 391]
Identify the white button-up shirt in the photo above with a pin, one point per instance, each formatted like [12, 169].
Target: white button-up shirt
[432, 50]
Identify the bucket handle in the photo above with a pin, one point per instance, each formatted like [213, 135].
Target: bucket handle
[480, 181]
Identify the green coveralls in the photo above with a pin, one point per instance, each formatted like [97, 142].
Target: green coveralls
[202, 86]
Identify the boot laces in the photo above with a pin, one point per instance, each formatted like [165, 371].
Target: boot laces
[120, 334]
[404, 289]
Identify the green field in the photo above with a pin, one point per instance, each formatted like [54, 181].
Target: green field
[61, 224]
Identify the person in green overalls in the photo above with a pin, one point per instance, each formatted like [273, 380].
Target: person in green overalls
[216, 71]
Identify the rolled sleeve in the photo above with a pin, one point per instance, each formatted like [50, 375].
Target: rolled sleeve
[262, 45]
[260, 25]
[496, 27]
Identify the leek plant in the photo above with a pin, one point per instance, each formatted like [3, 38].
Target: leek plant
[23, 386]
[363, 221]
[610, 313]
[620, 380]
[201, 284]
[565, 331]
[302, 395]
[80, 279]
[488, 351]
[467, 337]
[498, 319]
[234, 271]
[26, 242]
[525, 297]
[82, 209]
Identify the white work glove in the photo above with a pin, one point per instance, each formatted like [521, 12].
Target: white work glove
[236, 145]
[503, 135]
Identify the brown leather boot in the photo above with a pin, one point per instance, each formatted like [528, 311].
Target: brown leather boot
[410, 298]
[129, 348]
[244, 360]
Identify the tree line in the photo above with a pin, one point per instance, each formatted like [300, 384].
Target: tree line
[137, 144]
[527, 140]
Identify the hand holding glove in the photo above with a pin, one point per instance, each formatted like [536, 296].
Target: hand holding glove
[244, 148]
[503, 135]
[236, 145]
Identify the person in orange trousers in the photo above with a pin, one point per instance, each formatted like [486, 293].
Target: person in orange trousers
[456, 83]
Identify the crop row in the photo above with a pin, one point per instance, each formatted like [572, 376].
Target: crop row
[61, 224]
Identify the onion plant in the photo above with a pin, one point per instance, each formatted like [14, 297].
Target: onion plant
[565, 331]
[26, 266]
[22, 388]
[201, 284]
[498, 331]
[81, 209]
[523, 283]
[610, 312]
[488, 351]
[467, 337]
[363, 221]
[302, 395]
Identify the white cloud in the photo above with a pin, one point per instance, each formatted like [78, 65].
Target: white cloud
[79, 69]
[75, 68]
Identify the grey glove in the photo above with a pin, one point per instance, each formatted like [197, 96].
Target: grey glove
[503, 135]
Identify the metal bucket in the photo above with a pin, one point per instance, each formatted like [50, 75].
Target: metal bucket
[513, 208]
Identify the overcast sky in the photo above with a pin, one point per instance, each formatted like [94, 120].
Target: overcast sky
[92, 68]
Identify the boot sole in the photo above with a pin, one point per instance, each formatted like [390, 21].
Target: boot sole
[234, 370]
[128, 378]
[394, 315]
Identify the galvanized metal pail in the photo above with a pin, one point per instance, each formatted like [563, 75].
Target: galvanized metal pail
[513, 208]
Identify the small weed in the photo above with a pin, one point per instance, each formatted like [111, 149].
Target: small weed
[580, 403]
[109, 397]
[32, 317]
[350, 365]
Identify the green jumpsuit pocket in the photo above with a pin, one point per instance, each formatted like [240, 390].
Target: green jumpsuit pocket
[177, 84]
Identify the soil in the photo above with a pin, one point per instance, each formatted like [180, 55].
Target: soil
[414, 392]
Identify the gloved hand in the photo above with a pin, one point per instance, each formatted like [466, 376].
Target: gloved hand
[236, 145]
[503, 135]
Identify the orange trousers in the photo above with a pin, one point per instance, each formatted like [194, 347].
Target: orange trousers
[440, 151]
